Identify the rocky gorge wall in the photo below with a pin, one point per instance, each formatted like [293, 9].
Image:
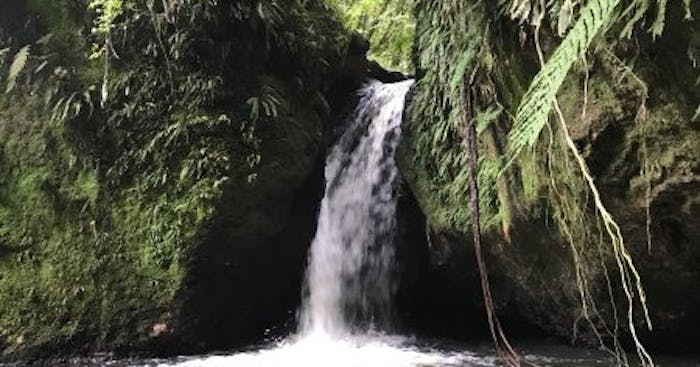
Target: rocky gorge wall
[152, 173]
[160, 196]
[637, 127]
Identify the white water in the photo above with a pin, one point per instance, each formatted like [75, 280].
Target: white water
[321, 351]
[349, 284]
[346, 305]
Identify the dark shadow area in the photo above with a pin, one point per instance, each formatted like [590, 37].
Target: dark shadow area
[244, 295]
[439, 293]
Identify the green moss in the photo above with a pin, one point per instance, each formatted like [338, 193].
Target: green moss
[453, 42]
[103, 210]
[388, 25]
[62, 261]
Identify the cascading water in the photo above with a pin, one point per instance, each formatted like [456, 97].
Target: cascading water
[349, 283]
[348, 286]
[348, 289]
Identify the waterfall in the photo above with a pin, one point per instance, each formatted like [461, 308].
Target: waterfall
[348, 285]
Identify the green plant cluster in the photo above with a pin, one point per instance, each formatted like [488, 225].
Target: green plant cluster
[122, 124]
[525, 158]
[388, 25]
[448, 48]
[474, 40]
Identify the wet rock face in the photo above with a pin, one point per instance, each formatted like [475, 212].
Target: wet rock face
[636, 162]
[234, 255]
[534, 282]
[670, 263]
[244, 294]
[533, 278]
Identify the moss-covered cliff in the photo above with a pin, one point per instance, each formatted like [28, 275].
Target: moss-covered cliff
[631, 107]
[142, 146]
[160, 167]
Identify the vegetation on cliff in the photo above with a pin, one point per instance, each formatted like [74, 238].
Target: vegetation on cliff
[126, 127]
[144, 145]
[527, 174]
[387, 24]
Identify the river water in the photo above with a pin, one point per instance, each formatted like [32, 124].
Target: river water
[382, 351]
[345, 317]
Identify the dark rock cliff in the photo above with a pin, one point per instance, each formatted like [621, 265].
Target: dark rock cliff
[637, 128]
[159, 197]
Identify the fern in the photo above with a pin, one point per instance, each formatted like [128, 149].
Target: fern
[17, 66]
[3, 52]
[637, 12]
[658, 26]
[534, 109]
[388, 25]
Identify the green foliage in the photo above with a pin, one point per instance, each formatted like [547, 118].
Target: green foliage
[431, 154]
[107, 12]
[471, 39]
[113, 165]
[180, 33]
[534, 110]
[3, 54]
[637, 12]
[18, 63]
[537, 103]
[389, 26]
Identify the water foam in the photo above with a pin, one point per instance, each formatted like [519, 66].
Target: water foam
[348, 285]
[320, 350]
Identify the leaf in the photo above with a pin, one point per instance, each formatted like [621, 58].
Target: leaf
[261, 12]
[18, 64]
[185, 173]
[640, 8]
[41, 67]
[534, 109]
[3, 52]
[688, 12]
[254, 104]
[45, 39]
[460, 70]
[658, 27]
[565, 17]
[484, 119]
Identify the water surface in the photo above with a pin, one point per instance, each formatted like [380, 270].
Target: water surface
[394, 351]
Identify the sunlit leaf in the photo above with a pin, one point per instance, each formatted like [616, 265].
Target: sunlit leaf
[17, 66]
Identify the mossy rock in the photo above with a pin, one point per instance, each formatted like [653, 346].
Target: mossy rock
[120, 218]
[642, 152]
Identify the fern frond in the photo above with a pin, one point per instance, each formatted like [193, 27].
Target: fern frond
[16, 67]
[3, 52]
[638, 12]
[534, 109]
[658, 26]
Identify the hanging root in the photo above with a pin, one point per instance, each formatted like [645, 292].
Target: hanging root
[629, 276]
[642, 118]
[570, 217]
[505, 350]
